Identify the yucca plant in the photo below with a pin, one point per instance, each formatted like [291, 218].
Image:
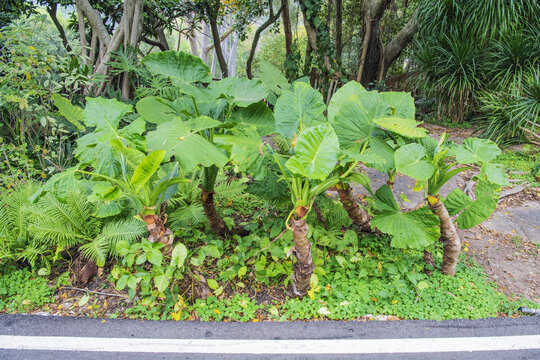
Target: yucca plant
[449, 69]
[512, 115]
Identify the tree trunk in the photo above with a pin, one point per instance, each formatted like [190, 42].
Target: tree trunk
[398, 43]
[449, 236]
[204, 42]
[82, 35]
[216, 222]
[303, 268]
[162, 39]
[272, 18]
[51, 10]
[359, 216]
[375, 58]
[217, 45]
[233, 55]
[157, 232]
[339, 30]
[287, 31]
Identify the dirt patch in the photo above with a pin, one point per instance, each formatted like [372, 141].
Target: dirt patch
[509, 260]
[455, 134]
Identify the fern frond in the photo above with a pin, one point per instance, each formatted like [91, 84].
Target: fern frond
[56, 233]
[192, 215]
[96, 250]
[34, 252]
[115, 231]
[228, 190]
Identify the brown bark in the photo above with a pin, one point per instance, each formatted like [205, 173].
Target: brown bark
[449, 238]
[212, 17]
[312, 40]
[272, 18]
[82, 35]
[375, 58]
[162, 39]
[428, 260]
[216, 222]
[287, 31]
[157, 232]
[359, 216]
[155, 224]
[303, 268]
[398, 43]
[51, 10]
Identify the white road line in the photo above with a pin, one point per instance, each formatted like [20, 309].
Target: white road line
[348, 346]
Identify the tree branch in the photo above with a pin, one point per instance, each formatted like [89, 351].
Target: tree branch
[400, 41]
[95, 21]
[272, 18]
[51, 9]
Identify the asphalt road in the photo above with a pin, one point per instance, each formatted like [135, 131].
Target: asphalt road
[37, 337]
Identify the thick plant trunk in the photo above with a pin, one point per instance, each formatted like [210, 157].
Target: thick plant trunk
[216, 222]
[303, 268]
[428, 260]
[155, 224]
[359, 216]
[449, 237]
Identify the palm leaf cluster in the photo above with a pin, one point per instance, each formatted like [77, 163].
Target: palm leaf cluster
[481, 56]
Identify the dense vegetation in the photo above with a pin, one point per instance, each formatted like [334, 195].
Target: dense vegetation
[236, 197]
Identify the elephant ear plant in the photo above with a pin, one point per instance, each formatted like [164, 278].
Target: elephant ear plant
[141, 183]
[429, 163]
[370, 127]
[306, 174]
[190, 121]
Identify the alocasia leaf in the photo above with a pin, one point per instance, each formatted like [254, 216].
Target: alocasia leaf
[414, 229]
[301, 108]
[315, 153]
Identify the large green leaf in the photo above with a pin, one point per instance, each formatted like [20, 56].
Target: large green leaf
[105, 113]
[73, 114]
[475, 150]
[414, 229]
[179, 255]
[315, 153]
[353, 122]
[350, 90]
[407, 127]
[258, 115]
[379, 147]
[178, 65]
[472, 212]
[301, 108]
[410, 161]
[132, 156]
[244, 149]
[148, 166]
[272, 77]
[240, 91]
[495, 173]
[153, 109]
[401, 104]
[189, 148]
